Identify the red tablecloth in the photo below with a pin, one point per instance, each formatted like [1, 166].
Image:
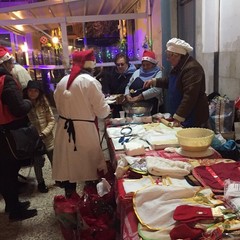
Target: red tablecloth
[126, 213]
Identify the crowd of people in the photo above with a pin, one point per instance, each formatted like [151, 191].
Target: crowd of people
[75, 153]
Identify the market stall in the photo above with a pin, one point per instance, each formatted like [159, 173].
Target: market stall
[148, 156]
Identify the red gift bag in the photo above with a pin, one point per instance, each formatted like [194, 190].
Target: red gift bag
[66, 211]
[99, 213]
[88, 217]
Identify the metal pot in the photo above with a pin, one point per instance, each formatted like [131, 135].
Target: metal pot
[138, 109]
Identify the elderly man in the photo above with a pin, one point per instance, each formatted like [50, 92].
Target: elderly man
[186, 86]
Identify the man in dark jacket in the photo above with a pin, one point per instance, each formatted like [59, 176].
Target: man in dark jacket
[188, 102]
[13, 113]
[115, 82]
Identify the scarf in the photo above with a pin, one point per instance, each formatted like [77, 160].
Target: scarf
[146, 75]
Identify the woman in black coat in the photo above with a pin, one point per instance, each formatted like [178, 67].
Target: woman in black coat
[13, 115]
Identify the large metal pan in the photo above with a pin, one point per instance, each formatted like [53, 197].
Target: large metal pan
[138, 109]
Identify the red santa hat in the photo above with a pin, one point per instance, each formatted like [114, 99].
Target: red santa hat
[149, 56]
[81, 60]
[4, 54]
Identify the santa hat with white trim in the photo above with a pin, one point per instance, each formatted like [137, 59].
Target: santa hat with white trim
[81, 59]
[149, 56]
[4, 55]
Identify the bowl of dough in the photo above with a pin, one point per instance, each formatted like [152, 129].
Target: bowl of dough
[195, 139]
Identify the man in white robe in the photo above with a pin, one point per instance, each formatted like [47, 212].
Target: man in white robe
[79, 100]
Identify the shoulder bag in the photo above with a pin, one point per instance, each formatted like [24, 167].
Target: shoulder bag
[24, 142]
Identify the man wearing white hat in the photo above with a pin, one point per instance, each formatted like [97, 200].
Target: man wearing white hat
[186, 86]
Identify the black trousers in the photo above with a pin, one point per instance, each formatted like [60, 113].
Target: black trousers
[69, 187]
[9, 168]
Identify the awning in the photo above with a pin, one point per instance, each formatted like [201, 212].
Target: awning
[24, 18]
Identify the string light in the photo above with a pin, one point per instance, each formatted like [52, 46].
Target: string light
[55, 40]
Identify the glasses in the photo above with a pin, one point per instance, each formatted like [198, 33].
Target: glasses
[120, 64]
[170, 54]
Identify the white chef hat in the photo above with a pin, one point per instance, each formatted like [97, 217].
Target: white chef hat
[179, 46]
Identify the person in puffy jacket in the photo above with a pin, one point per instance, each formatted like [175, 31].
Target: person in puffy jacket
[41, 116]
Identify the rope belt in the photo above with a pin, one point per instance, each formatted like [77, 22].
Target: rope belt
[69, 126]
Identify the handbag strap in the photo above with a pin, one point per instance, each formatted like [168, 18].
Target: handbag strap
[9, 144]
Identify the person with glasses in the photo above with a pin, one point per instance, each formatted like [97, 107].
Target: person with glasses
[115, 81]
[188, 102]
[134, 91]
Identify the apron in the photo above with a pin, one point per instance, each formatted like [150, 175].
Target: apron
[175, 98]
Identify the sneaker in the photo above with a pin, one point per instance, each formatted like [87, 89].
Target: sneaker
[22, 205]
[22, 215]
[42, 188]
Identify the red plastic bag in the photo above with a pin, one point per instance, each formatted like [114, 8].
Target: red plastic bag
[68, 215]
[99, 214]
[87, 217]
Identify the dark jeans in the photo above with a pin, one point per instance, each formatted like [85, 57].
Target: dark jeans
[9, 168]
